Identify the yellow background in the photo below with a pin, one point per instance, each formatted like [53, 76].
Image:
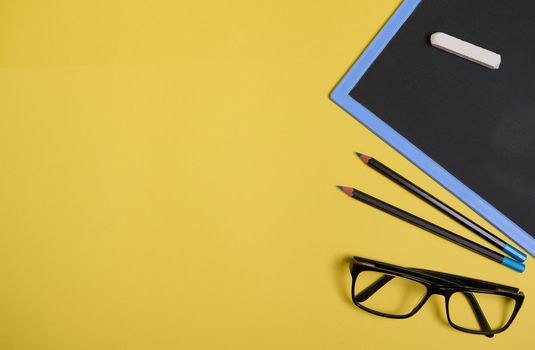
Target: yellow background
[167, 181]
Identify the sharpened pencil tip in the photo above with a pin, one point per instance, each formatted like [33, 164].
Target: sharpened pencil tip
[363, 157]
[346, 190]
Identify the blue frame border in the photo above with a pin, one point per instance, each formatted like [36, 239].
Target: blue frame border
[340, 95]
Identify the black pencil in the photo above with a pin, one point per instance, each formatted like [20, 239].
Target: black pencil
[426, 225]
[446, 209]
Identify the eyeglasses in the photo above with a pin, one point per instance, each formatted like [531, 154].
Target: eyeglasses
[472, 306]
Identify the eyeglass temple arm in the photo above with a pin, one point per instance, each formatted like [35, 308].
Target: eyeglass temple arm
[472, 282]
[481, 319]
[372, 288]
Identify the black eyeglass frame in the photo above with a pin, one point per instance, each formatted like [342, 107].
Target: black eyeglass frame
[436, 283]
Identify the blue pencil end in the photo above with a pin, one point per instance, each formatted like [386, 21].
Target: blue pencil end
[358, 154]
[514, 253]
[513, 264]
[340, 187]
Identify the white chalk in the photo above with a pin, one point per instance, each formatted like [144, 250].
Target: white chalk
[466, 50]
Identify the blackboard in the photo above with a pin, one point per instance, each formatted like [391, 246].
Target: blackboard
[470, 123]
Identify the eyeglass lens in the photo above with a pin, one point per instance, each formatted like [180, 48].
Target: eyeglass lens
[496, 310]
[388, 294]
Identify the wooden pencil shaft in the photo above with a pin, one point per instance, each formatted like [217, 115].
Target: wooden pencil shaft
[437, 203]
[429, 226]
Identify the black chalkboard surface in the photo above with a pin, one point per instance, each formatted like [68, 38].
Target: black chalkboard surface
[477, 123]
